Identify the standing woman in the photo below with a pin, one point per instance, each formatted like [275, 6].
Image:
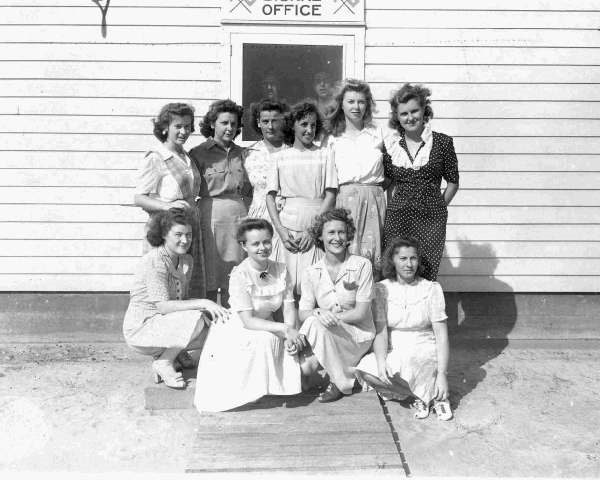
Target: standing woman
[418, 160]
[225, 192]
[267, 120]
[169, 179]
[305, 177]
[357, 146]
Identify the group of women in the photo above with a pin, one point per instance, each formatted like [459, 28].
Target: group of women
[291, 235]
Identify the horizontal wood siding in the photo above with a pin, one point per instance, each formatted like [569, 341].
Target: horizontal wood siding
[515, 83]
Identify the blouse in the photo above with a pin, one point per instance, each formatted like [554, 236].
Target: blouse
[354, 283]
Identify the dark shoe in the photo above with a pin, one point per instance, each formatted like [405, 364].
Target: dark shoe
[331, 394]
[185, 360]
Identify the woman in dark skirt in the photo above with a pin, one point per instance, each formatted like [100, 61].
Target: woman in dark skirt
[417, 160]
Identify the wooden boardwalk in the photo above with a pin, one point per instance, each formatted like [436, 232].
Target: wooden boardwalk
[297, 434]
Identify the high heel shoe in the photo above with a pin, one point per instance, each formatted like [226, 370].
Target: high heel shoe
[163, 371]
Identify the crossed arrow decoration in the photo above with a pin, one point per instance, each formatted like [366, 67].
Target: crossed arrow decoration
[347, 3]
[244, 3]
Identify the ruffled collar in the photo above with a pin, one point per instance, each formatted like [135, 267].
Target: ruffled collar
[400, 157]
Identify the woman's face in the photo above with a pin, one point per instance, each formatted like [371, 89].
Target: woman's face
[179, 239]
[354, 105]
[225, 127]
[180, 128]
[406, 262]
[411, 116]
[305, 129]
[335, 237]
[258, 245]
[271, 124]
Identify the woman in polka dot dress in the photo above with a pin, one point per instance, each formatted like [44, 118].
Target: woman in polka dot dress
[417, 160]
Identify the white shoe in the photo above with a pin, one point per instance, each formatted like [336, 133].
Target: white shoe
[421, 410]
[442, 409]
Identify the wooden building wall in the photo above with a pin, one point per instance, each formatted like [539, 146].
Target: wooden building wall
[514, 82]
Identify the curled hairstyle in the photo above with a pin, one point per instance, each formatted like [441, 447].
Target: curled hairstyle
[249, 224]
[266, 106]
[298, 112]
[339, 214]
[165, 117]
[220, 106]
[389, 269]
[161, 223]
[409, 92]
[336, 121]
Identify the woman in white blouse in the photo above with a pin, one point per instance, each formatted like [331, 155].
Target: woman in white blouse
[357, 145]
[410, 350]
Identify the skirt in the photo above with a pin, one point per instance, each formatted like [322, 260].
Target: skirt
[413, 359]
[219, 219]
[367, 204]
[238, 366]
[336, 350]
[297, 215]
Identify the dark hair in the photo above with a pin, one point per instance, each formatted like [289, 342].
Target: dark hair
[337, 214]
[217, 107]
[161, 223]
[409, 92]
[265, 106]
[389, 269]
[336, 121]
[298, 112]
[165, 117]
[252, 224]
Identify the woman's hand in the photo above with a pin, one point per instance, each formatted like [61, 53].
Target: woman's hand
[182, 204]
[217, 313]
[383, 373]
[328, 319]
[441, 386]
[289, 242]
[294, 341]
[305, 242]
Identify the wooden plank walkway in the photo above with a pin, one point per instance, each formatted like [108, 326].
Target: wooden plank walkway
[296, 434]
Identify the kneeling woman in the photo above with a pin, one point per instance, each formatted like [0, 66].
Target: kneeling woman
[159, 321]
[336, 305]
[252, 354]
[410, 317]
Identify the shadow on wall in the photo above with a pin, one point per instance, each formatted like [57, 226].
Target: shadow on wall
[478, 322]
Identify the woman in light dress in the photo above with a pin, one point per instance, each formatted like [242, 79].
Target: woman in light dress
[167, 178]
[254, 353]
[304, 176]
[335, 306]
[410, 351]
[357, 145]
[267, 119]
[161, 321]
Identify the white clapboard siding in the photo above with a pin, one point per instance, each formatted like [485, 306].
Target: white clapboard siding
[515, 83]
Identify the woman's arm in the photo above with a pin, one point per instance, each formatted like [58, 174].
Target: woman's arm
[152, 205]
[328, 200]
[449, 192]
[355, 315]
[217, 312]
[288, 241]
[380, 348]
[440, 330]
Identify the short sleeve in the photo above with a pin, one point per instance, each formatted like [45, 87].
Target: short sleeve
[450, 162]
[273, 176]
[437, 304]
[364, 292]
[148, 176]
[239, 296]
[331, 178]
[156, 279]
[288, 293]
[308, 300]
[380, 304]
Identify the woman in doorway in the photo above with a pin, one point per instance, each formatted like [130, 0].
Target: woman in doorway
[357, 145]
[225, 192]
[418, 160]
[410, 351]
[304, 176]
[167, 179]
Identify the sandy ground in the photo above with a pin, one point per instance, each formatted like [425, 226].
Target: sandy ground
[519, 412]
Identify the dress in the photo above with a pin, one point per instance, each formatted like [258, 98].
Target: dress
[358, 159]
[223, 189]
[417, 208]
[340, 348]
[156, 279]
[258, 165]
[168, 177]
[301, 178]
[238, 365]
[408, 311]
